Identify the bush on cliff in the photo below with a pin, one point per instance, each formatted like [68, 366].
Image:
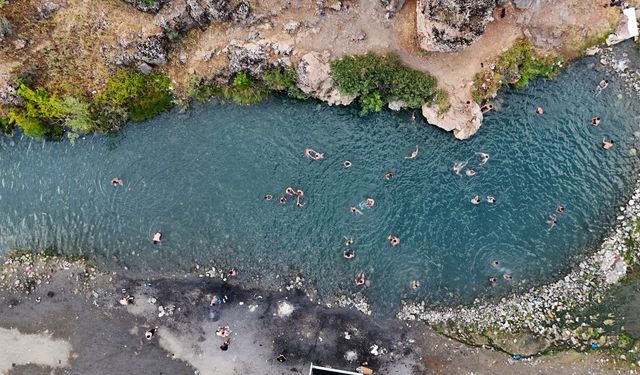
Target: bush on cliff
[386, 76]
[283, 80]
[516, 67]
[244, 90]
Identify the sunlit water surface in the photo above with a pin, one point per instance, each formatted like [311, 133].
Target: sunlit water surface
[200, 177]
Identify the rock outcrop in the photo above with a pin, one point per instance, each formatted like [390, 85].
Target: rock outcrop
[257, 57]
[451, 25]
[314, 78]
[461, 119]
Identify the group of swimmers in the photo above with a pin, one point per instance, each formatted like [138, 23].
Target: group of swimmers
[289, 191]
[493, 279]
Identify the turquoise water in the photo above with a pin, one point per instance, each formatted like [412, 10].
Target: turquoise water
[200, 177]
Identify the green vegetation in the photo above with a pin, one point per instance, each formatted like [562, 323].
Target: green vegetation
[516, 67]
[283, 80]
[129, 96]
[377, 80]
[243, 90]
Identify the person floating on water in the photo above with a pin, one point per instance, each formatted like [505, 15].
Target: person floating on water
[507, 276]
[268, 197]
[360, 279]
[388, 175]
[233, 272]
[223, 331]
[458, 167]
[356, 211]
[289, 191]
[475, 199]
[539, 110]
[607, 143]
[299, 193]
[603, 84]
[349, 254]
[413, 154]
[493, 279]
[282, 199]
[470, 172]
[127, 300]
[415, 284]
[370, 202]
[595, 121]
[393, 240]
[347, 164]
[491, 199]
[560, 209]
[348, 241]
[313, 154]
[495, 263]
[225, 345]
[157, 237]
[553, 221]
[150, 332]
[484, 157]
[116, 181]
[413, 116]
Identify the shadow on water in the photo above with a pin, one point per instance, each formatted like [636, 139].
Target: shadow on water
[200, 178]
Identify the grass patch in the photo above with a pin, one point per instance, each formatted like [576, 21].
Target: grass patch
[516, 67]
[377, 80]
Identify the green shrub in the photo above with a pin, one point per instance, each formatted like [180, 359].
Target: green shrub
[31, 126]
[283, 80]
[143, 96]
[371, 102]
[381, 79]
[245, 90]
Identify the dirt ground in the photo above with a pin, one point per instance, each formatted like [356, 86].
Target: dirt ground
[70, 322]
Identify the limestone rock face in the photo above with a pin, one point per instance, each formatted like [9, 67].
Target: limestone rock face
[464, 121]
[451, 25]
[314, 78]
[392, 5]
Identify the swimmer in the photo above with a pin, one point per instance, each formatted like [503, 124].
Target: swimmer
[348, 241]
[595, 121]
[486, 108]
[388, 175]
[127, 300]
[507, 276]
[491, 199]
[116, 181]
[149, 333]
[347, 164]
[157, 237]
[603, 84]
[560, 209]
[313, 154]
[370, 202]
[475, 199]
[299, 193]
[413, 154]
[289, 191]
[493, 280]
[413, 116]
[607, 144]
[484, 157]
[223, 331]
[268, 197]
[470, 172]
[281, 358]
[393, 240]
[298, 204]
[553, 221]
[225, 345]
[539, 110]
[360, 279]
[458, 167]
[349, 254]
[356, 211]
[282, 199]
[415, 284]
[495, 263]
[233, 272]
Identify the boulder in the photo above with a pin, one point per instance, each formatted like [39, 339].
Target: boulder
[248, 57]
[464, 121]
[314, 78]
[451, 25]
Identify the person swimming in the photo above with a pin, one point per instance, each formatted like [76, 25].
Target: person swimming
[289, 191]
[539, 110]
[348, 241]
[313, 154]
[356, 211]
[347, 164]
[607, 143]
[393, 240]
[458, 167]
[603, 84]
[475, 199]
[491, 199]
[370, 202]
[233, 272]
[507, 276]
[415, 284]
[413, 154]
[486, 108]
[299, 193]
[360, 279]
[413, 116]
[282, 199]
[553, 221]
[484, 157]
[268, 197]
[150, 332]
[560, 209]
[157, 237]
[493, 279]
[388, 175]
[349, 254]
[595, 121]
[127, 300]
[116, 181]
[298, 204]
[470, 172]
[495, 263]
[223, 331]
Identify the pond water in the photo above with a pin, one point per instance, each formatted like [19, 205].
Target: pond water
[200, 177]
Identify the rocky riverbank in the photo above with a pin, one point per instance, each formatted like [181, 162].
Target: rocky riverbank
[72, 48]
